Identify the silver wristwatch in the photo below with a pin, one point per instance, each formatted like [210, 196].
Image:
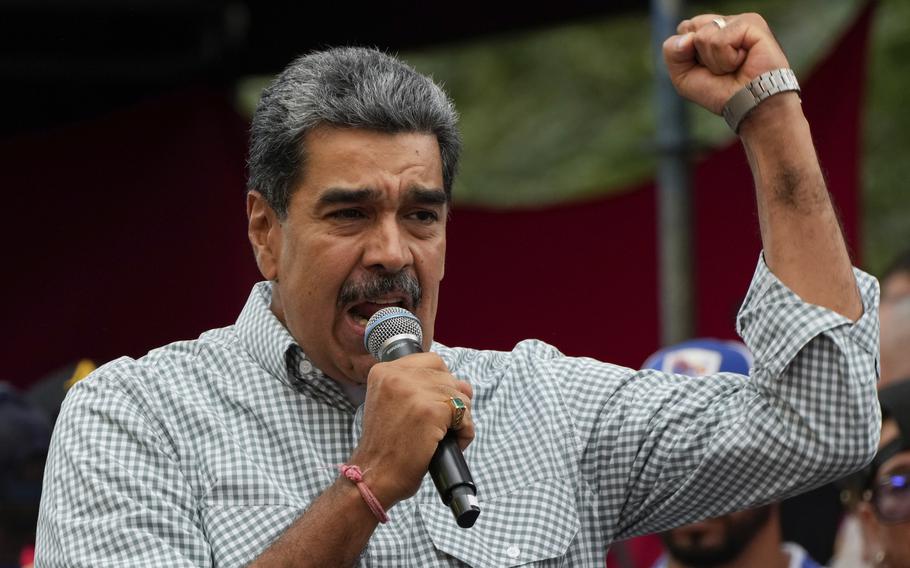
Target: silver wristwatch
[758, 89]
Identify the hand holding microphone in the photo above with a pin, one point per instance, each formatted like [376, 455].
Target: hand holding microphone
[429, 425]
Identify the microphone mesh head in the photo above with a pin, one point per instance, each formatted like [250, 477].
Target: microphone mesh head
[389, 322]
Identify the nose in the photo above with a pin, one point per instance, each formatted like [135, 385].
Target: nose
[387, 247]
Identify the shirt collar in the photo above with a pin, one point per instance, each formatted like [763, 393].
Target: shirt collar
[262, 335]
[273, 347]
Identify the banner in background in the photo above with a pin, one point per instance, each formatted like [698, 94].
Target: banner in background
[129, 232]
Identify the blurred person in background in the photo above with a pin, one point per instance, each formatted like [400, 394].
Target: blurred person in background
[895, 321]
[26, 421]
[896, 279]
[25, 433]
[744, 539]
[894, 313]
[880, 493]
[895, 341]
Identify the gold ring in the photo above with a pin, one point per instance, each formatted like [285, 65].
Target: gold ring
[458, 408]
[721, 23]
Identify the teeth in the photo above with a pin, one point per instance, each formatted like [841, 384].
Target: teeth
[386, 301]
[361, 320]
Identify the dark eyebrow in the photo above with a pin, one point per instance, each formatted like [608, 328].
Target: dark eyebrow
[336, 195]
[341, 195]
[427, 196]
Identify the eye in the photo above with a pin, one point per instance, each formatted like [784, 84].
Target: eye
[425, 216]
[347, 214]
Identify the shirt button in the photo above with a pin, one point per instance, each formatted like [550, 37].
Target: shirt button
[513, 552]
[306, 367]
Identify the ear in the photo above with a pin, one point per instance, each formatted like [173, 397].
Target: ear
[264, 232]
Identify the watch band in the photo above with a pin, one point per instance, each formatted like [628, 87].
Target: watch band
[759, 89]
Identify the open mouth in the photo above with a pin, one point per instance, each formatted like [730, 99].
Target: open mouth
[363, 311]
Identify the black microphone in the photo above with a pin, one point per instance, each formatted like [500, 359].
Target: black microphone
[393, 333]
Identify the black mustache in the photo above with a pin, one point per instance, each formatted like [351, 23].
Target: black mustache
[378, 285]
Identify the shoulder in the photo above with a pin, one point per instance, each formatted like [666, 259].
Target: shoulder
[163, 375]
[527, 349]
[530, 361]
[487, 363]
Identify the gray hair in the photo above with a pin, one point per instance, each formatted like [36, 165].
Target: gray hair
[346, 87]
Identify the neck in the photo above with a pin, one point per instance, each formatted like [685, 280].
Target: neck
[763, 551]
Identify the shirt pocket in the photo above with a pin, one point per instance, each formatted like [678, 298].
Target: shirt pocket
[530, 526]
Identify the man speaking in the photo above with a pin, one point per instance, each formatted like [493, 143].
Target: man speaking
[280, 441]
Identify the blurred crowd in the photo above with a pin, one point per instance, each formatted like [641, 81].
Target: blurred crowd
[860, 522]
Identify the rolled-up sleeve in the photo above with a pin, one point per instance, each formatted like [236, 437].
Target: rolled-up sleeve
[664, 449]
[817, 368]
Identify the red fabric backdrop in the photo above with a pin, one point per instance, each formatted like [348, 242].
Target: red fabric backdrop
[124, 234]
[129, 232]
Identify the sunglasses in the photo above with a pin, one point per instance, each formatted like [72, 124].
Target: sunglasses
[890, 498]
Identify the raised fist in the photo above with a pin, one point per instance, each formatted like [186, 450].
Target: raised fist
[712, 57]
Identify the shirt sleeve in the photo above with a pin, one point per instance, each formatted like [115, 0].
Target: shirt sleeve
[665, 450]
[113, 495]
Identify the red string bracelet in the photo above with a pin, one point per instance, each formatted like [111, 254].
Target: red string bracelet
[353, 473]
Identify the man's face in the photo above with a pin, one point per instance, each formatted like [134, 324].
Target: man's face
[716, 541]
[367, 218]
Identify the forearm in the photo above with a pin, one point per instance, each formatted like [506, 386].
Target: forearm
[801, 235]
[332, 532]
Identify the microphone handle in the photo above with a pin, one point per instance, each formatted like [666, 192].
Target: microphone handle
[454, 482]
[448, 469]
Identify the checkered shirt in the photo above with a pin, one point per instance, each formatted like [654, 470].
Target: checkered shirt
[203, 452]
